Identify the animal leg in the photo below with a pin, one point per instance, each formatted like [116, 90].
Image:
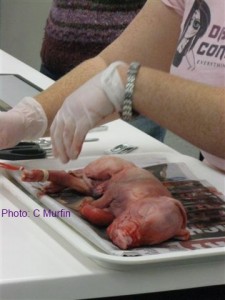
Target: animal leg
[96, 216]
[61, 178]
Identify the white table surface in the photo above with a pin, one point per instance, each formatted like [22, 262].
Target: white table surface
[36, 263]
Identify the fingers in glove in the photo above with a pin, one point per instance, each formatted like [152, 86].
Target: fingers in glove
[11, 129]
[77, 143]
[56, 132]
[68, 136]
[5, 142]
[52, 133]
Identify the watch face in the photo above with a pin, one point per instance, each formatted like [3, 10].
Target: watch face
[14, 88]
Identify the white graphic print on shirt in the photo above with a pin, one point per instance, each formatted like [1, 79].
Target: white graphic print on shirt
[200, 53]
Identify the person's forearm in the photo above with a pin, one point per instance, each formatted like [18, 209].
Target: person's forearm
[52, 98]
[156, 24]
[194, 111]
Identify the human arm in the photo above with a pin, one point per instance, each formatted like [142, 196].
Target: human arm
[154, 25]
[194, 111]
[151, 39]
[192, 114]
[26, 120]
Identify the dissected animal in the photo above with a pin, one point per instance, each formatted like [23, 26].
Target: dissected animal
[134, 205]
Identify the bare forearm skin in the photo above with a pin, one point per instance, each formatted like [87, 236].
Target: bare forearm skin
[154, 25]
[194, 111]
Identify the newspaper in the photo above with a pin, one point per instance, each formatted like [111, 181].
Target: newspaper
[204, 205]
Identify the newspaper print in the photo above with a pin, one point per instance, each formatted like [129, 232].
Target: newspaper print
[204, 205]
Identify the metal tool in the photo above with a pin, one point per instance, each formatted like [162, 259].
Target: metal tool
[121, 149]
[46, 144]
[99, 128]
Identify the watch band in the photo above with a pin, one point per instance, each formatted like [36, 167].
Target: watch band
[127, 110]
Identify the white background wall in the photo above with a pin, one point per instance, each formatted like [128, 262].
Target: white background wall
[22, 25]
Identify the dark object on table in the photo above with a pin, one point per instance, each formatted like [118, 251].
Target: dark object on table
[23, 151]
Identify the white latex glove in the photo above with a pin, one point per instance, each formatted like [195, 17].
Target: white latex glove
[98, 98]
[27, 120]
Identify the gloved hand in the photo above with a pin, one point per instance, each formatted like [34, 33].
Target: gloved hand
[27, 120]
[98, 98]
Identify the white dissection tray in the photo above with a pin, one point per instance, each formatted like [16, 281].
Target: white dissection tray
[20, 197]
